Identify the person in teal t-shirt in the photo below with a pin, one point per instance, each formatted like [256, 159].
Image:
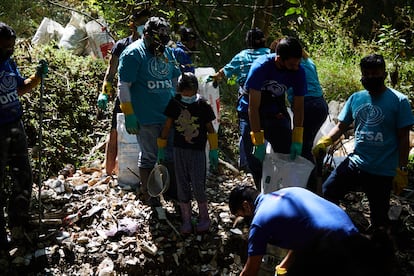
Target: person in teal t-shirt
[239, 67]
[382, 119]
[146, 72]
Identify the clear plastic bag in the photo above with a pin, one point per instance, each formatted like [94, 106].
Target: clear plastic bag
[279, 171]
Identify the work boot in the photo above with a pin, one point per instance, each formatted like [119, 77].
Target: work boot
[186, 227]
[204, 223]
[143, 190]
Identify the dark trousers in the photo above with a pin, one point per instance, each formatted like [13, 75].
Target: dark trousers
[16, 191]
[348, 177]
[315, 113]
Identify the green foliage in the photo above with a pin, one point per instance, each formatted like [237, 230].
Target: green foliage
[70, 125]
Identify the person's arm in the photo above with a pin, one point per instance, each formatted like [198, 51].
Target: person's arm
[298, 103]
[166, 129]
[34, 80]
[254, 105]
[29, 83]
[287, 260]
[110, 74]
[252, 266]
[403, 145]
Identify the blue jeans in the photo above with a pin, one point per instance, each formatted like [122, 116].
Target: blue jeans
[246, 149]
[348, 177]
[147, 140]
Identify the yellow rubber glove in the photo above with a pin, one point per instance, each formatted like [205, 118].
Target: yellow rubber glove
[319, 149]
[161, 143]
[297, 142]
[259, 149]
[400, 181]
[213, 154]
[280, 271]
[107, 88]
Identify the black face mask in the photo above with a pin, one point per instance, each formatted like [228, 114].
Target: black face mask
[157, 47]
[373, 84]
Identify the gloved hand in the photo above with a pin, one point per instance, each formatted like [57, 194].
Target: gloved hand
[213, 158]
[400, 181]
[259, 152]
[161, 143]
[259, 149]
[280, 271]
[42, 68]
[213, 154]
[131, 123]
[102, 101]
[107, 88]
[297, 142]
[319, 149]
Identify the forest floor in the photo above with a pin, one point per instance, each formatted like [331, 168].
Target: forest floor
[92, 226]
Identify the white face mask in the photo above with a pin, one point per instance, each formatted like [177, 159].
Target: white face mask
[140, 30]
[189, 99]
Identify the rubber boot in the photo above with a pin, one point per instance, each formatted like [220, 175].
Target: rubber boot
[204, 223]
[186, 227]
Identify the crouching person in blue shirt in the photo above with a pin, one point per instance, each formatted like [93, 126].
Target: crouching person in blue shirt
[319, 236]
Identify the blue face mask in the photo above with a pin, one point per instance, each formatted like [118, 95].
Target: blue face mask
[189, 100]
[140, 30]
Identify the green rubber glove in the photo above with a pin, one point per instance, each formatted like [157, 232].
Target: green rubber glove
[161, 144]
[102, 101]
[42, 68]
[295, 150]
[213, 158]
[161, 155]
[131, 123]
[259, 152]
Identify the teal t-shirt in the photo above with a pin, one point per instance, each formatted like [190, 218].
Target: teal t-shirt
[240, 64]
[377, 120]
[151, 79]
[312, 80]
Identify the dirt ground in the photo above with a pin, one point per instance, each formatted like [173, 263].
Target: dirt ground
[143, 243]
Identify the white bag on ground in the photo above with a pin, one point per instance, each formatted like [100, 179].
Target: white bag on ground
[211, 94]
[207, 90]
[281, 172]
[48, 30]
[128, 151]
[98, 38]
[74, 36]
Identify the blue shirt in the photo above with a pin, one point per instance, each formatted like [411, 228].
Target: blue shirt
[10, 79]
[183, 57]
[295, 218]
[273, 83]
[151, 81]
[377, 120]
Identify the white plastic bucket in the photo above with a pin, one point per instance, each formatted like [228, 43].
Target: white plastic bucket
[128, 151]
